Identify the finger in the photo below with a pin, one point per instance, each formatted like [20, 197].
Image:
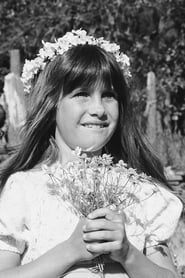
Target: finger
[98, 224]
[119, 216]
[102, 212]
[104, 247]
[100, 236]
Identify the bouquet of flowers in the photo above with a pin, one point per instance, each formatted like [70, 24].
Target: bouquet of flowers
[89, 183]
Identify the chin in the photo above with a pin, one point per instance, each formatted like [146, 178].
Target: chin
[92, 148]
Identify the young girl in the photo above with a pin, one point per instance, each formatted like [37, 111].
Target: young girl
[79, 98]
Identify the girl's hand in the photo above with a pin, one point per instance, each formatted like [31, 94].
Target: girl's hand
[104, 233]
[78, 244]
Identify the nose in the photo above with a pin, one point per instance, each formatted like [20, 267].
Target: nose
[97, 108]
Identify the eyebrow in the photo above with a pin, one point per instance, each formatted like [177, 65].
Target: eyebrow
[110, 91]
[91, 89]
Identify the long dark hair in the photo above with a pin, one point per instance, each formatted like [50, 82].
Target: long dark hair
[81, 65]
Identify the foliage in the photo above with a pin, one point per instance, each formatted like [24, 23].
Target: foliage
[152, 32]
[171, 149]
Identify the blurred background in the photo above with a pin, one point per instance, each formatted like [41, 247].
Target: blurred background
[151, 33]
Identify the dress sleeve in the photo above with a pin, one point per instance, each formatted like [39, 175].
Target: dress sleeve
[162, 213]
[12, 217]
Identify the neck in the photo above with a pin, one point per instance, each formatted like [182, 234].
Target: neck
[66, 154]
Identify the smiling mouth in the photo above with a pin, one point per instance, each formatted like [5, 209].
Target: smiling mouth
[99, 126]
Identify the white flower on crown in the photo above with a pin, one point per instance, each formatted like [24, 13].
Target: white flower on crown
[63, 44]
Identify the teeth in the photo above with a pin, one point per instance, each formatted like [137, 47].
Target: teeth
[94, 125]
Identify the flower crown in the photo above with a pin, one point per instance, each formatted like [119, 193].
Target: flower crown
[63, 44]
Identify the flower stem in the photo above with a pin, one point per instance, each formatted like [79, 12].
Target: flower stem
[100, 264]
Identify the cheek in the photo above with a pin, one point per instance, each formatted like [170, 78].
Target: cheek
[62, 119]
[114, 112]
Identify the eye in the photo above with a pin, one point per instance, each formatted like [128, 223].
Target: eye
[81, 94]
[110, 95]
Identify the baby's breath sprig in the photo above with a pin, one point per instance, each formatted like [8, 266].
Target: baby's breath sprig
[89, 183]
[94, 182]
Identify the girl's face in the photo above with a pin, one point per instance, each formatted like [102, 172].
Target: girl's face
[86, 118]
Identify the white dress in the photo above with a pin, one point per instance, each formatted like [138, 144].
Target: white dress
[34, 220]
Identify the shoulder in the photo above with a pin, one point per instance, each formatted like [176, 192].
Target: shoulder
[158, 198]
[25, 181]
[157, 195]
[166, 197]
[174, 205]
[162, 210]
[26, 176]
